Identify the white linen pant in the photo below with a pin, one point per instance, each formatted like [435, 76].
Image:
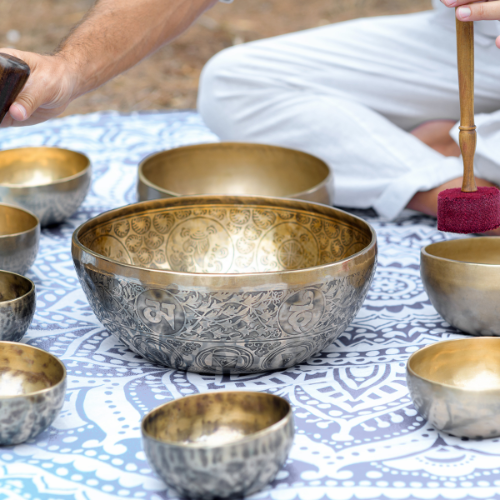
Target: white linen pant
[349, 93]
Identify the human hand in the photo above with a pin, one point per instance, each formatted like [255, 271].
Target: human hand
[47, 92]
[476, 10]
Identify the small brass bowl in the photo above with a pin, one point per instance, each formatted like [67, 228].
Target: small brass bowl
[462, 279]
[17, 305]
[219, 445]
[19, 239]
[233, 169]
[50, 182]
[32, 389]
[455, 385]
[225, 284]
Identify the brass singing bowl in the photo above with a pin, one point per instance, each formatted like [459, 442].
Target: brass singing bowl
[17, 305]
[32, 389]
[462, 279]
[219, 284]
[233, 168]
[219, 445]
[50, 182]
[19, 239]
[455, 385]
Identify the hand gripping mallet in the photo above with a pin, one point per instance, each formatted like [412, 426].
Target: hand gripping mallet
[470, 209]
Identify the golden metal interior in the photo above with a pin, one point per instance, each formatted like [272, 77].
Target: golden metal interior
[26, 370]
[28, 167]
[472, 250]
[15, 220]
[468, 364]
[222, 238]
[233, 169]
[215, 419]
[13, 286]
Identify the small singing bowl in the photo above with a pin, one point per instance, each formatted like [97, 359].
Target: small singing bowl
[220, 284]
[19, 239]
[455, 385]
[17, 305]
[49, 182]
[219, 445]
[234, 169]
[32, 390]
[462, 279]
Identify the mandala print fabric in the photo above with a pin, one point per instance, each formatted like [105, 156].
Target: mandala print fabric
[357, 432]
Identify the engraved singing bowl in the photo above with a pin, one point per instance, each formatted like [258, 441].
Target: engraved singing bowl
[219, 284]
[462, 279]
[455, 385]
[232, 168]
[219, 445]
[49, 182]
[19, 239]
[17, 305]
[32, 390]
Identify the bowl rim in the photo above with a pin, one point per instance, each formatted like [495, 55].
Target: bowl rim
[32, 290]
[425, 253]
[82, 173]
[41, 391]
[441, 384]
[208, 145]
[34, 228]
[226, 199]
[282, 422]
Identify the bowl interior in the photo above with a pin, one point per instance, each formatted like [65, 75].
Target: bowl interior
[25, 370]
[15, 220]
[28, 167]
[13, 286]
[484, 250]
[222, 238]
[470, 364]
[214, 419]
[234, 169]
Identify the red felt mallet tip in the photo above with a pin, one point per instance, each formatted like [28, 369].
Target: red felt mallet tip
[477, 212]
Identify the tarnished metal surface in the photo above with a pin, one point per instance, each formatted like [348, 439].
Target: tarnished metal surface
[19, 239]
[17, 305]
[462, 279]
[233, 168]
[225, 284]
[32, 390]
[50, 182]
[455, 385]
[220, 444]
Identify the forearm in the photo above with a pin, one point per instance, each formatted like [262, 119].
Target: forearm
[116, 34]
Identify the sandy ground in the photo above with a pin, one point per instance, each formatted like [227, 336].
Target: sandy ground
[169, 78]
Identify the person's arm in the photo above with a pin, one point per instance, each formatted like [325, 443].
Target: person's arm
[112, 37]
[476, 10]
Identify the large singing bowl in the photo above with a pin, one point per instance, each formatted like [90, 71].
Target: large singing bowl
[234, 168]
[219, 284]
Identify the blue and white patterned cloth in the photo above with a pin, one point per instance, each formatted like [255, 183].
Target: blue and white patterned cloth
[358, 434]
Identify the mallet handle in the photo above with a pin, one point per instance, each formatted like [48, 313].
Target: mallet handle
[468, 136]
[13, 76]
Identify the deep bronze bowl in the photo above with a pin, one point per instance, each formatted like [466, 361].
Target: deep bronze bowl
[455, 385]
[219, 445]
[17, 305]
[225, 284]
[462, 279]
[49, 182]
[32, 389]
[233, 169]
[19, 239]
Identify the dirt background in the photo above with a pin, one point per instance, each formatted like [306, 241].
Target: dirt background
[169, 78]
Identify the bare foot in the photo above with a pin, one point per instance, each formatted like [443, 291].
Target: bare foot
[436, 134]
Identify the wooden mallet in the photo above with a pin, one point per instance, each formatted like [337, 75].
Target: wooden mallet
[470, 209]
